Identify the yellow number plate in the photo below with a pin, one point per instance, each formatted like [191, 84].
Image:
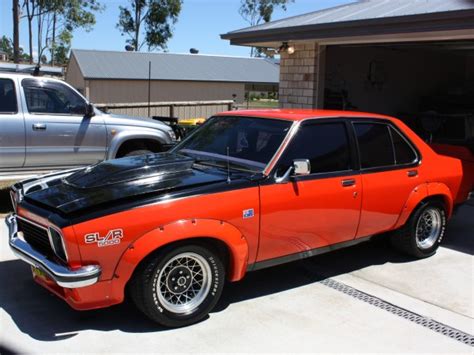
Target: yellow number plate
[38, 272]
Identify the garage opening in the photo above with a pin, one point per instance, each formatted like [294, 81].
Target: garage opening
[429, 85]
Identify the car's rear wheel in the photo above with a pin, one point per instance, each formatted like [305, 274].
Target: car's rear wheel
[423, 232]
[179, 286]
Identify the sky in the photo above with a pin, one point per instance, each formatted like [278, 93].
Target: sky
[199, 25]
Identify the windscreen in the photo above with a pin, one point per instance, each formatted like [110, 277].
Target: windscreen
[248, 141]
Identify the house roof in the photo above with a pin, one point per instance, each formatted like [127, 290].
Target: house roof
[166, 66]
[357, 18]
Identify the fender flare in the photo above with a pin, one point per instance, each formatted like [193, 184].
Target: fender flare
[186, 230]
[422, 192]
[440, 189]
[122, 137]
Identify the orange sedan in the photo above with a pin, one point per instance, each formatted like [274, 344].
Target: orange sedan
[245, 191]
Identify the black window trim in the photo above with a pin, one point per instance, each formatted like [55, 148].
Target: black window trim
[389, 125]
[47, 113]
[352, 152]
[16, 98]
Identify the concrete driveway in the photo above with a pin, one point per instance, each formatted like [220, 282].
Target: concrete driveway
[367, 298]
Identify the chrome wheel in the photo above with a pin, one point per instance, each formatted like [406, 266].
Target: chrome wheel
[184, 283]
[428, 228]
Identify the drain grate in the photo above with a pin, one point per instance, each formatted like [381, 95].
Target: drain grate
[401, 312]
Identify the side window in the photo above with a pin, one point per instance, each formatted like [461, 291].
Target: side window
[375, 145]
[8, 102]
[404, 153]
[51, 97]
[326, 145]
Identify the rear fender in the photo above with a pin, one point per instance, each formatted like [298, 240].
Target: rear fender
[416, 196]
[186, 230]
[440, 189]
[422, 192]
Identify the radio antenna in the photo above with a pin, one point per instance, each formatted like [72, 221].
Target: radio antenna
[228, 166]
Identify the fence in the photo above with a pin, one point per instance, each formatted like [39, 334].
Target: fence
[183, 109]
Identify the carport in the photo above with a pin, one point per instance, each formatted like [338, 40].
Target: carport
[408, 58]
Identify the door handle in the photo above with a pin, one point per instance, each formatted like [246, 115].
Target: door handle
[39, 127]
[348, 182]
[412, 173]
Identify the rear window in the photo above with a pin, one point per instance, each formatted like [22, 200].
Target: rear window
[375, 145]
[8, 102]
[404, 153]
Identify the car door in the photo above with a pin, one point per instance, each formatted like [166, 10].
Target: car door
[318, 209]
[389, 171]
[57, 131]
[12, 131]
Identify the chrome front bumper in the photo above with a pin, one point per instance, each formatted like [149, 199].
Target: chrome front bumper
[62, 275]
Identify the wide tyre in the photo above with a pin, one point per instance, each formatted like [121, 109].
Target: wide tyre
[179, 286]
[422, 234]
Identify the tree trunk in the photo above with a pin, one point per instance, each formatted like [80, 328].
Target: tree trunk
[29, 16]
[16, 32]
[138, 11]
[39, 35]
[53, 40]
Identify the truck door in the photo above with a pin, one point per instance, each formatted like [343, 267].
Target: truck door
[318, 209]
[57, 132]
[12, 126]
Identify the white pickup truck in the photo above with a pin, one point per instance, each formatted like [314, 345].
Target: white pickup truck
[46, 125]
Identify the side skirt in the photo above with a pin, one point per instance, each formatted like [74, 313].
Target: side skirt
[304, 254]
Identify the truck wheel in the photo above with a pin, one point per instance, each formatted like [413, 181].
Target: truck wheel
[423, 232]
[133, 153]
[179, 286]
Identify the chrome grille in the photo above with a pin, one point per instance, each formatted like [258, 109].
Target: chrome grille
[36, 236]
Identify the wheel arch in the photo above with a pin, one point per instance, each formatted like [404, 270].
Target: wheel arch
[223, 237]
[424, 193]
[124, 138]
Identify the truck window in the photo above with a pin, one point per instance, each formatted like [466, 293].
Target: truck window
[8, 101]
[375, 145]
[326, 145]
[51, 97]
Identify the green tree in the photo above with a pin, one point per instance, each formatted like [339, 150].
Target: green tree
[153, 18]
[257, 11]
[56, 16]
[6, 46]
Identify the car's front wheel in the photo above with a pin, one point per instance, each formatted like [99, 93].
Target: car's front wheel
[179, 286]
[423, 232]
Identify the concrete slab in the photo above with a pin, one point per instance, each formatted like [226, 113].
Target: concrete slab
[282, 309]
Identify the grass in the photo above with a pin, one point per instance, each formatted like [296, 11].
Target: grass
[259, 104]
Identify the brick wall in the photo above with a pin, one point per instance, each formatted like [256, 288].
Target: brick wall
[299, 77]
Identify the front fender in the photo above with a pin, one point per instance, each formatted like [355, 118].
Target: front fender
[134, 133]
[181, 230]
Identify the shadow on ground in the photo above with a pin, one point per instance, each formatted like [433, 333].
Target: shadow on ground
[45, 317]
[5, 202]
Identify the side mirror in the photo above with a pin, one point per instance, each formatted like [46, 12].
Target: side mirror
[89, 110]
[300, 167]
